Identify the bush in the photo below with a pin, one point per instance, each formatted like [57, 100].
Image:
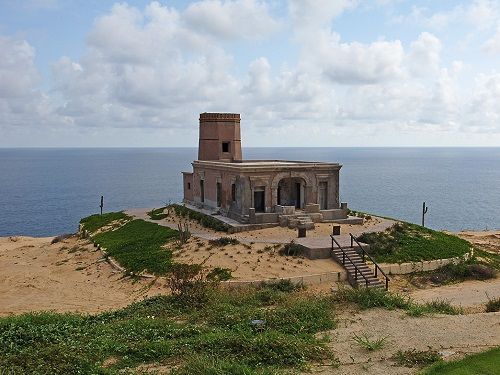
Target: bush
[189, 284]
[493, 305]
[412, 358]
[220, 274]
[205, 220]
[292, 249]
[157, 213]
[224, 241]
[465, 270]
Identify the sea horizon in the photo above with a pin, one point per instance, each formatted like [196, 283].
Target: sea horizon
[45, 191]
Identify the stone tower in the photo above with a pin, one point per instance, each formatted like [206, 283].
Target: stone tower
[220, 137]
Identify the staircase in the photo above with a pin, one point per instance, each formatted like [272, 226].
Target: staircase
[353, 260]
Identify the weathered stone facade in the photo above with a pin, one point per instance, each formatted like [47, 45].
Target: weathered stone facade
[257, 191]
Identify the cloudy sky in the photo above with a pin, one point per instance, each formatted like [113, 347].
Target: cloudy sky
[301, 72]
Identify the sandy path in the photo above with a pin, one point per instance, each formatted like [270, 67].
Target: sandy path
[466, 294]
[453, 335]
[67, 276]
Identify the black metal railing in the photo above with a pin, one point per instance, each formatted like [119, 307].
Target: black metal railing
[344, 257]
[363, 254]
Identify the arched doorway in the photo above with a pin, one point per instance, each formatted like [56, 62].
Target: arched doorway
[291, 192]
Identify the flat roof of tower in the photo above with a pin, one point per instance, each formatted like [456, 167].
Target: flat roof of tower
[266, 164]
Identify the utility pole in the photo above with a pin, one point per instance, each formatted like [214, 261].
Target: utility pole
[102, 203]
[424, 211]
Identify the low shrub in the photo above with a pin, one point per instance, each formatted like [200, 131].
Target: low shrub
[157, 213]
[61, 238]
[220, 274]
[465, 270]
[292, 249]
[189, 284]
[493, 305]
[224, 241]
[205, 220]
[414, 358]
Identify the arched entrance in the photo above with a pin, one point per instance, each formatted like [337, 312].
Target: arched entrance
[291, 192]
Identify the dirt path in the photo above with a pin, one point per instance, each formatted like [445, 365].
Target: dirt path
[67, 276]
[452, 335]
[466, 294]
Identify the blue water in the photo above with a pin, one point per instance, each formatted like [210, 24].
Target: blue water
[45, 192]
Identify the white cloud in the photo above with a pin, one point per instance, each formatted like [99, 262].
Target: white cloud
[424, 56]
[351, 63]
[249, 19]
[21, 101]
[492, 45]
[317, 13]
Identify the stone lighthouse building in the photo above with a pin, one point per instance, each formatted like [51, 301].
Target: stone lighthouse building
[257, 191]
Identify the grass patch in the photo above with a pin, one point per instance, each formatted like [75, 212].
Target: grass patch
[137, 246]
[206, 221]
[157, 213]
[415, 358]
[94, 222]
[215, 338]
[367, 298]
[485, 363]
[405, 242]
[224, 241]
[369, 344]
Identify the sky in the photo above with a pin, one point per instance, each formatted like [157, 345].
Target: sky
[312, 73]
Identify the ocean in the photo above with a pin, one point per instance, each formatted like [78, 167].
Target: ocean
[45, 192]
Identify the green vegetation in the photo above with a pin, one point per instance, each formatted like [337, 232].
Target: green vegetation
[157, 213]
[454, 273]
[220, 274]
[369, 344]
[405, 242]
[490, 259]
[493, 305]
[367, 298]
[414, 358]
[137, 246]
[205, 220]
[485, 363]
[216, 337]
[224, 241]
[292, 249]
[94, 222]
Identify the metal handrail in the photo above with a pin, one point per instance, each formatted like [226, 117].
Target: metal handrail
[377, 267]
[344, 255]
